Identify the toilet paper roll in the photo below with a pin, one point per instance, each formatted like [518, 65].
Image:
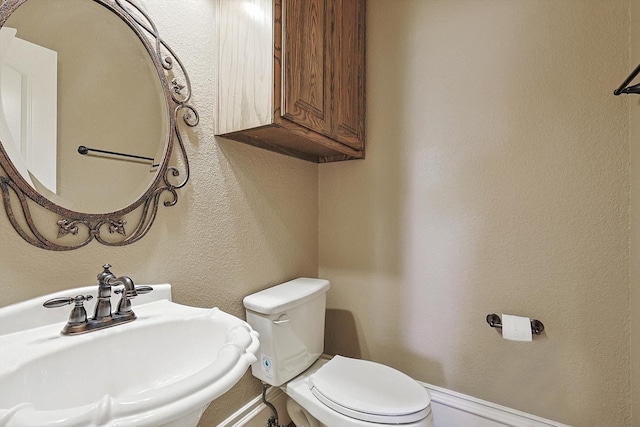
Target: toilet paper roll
[516, 328]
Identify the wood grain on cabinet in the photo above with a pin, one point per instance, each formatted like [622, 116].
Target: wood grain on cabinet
[291, 76]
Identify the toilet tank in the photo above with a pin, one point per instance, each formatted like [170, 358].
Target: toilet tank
[290, 320]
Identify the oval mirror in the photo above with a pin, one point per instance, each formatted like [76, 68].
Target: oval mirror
[89, 100]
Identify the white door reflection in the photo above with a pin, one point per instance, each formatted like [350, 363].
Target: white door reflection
[28, 116]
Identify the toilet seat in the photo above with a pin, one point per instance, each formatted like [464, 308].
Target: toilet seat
[369, 391]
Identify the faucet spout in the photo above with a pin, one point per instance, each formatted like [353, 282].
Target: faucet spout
[106, 279]
[129, 286]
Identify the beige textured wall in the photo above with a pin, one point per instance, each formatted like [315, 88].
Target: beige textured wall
[634, 139]
[496, 180]
[247, 219]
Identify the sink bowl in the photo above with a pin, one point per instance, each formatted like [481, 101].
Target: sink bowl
[162, 369]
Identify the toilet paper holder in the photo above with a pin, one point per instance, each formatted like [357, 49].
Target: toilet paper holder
[494, 321]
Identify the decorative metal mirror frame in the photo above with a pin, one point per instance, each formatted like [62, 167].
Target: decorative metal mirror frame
[71, 223]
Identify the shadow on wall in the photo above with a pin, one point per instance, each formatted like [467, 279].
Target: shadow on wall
[341, 337]
[341, 334]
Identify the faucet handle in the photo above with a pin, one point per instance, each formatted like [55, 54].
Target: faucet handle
[60, 302]
[139, 290]
[78, 314]
[124, 306]
[143, 289]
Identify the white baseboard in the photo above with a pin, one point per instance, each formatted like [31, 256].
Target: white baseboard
[256, 413]
[450, 409]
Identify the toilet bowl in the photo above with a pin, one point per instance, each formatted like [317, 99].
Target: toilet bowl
[357, 397]
[300, 416]
[324, 391]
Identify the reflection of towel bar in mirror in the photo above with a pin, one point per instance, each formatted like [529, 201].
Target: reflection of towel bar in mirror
[625, 88]
[85, 150]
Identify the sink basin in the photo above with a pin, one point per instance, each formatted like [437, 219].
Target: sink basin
[162, 369]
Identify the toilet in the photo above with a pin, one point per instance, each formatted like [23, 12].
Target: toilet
[322, 391]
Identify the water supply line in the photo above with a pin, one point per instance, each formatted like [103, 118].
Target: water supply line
[273, 420]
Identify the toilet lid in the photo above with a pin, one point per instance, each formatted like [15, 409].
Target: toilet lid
[369, 391]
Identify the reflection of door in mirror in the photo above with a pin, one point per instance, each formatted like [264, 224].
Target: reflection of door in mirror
[28, 108]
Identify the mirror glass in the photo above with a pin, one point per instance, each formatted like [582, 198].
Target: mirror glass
[98, 88]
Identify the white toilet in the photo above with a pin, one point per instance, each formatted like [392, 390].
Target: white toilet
[336, 392]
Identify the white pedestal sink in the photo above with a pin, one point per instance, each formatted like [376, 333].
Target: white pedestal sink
[162, 369]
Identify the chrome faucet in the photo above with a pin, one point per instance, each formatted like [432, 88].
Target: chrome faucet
[103, 316]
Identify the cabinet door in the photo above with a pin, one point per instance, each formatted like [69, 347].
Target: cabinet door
[348, 52]
[306, 79]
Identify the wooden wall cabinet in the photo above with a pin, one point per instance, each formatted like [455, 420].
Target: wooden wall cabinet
[291, 76]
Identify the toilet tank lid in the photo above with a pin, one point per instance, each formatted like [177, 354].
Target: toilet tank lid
[285, 296]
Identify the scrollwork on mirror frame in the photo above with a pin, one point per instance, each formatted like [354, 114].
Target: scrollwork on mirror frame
[75, 229]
